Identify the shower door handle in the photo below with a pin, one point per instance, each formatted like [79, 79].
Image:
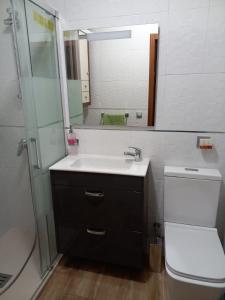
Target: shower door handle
[38, 164]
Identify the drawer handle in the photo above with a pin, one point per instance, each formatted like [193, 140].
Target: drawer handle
[92, 194]
[96, 232]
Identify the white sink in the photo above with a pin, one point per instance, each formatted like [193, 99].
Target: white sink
[102, 164]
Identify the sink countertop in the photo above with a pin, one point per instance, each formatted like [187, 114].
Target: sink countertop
[74, 163]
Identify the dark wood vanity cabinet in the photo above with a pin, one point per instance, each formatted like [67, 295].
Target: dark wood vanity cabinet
[101, 217]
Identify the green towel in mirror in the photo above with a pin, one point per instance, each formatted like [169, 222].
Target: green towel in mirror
[113, 119]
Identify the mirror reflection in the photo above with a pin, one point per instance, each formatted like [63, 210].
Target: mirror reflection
[111, 75]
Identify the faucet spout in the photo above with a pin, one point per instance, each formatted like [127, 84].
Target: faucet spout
[137, 154]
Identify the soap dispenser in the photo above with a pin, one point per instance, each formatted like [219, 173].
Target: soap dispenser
[71, 137]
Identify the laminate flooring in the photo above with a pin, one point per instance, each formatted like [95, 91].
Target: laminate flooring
[96, 281]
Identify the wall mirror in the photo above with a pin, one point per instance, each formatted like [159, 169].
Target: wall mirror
[111, 75]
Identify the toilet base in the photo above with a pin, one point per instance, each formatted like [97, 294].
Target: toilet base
[179, 290]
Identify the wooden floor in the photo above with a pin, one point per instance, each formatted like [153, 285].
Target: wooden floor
[86, 281]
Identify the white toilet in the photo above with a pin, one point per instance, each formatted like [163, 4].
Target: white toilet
[194, 257]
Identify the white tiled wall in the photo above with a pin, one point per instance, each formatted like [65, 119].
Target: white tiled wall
[191, 43]
[191, 82]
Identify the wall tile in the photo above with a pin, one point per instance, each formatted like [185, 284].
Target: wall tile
[9, 137]
[187, 4]
[217, 2]
[192, 102]
[214, 60]
[16, 203]
[58, 5]
[156, 204]
[8, 66]
[186, 41]
[4, 4]
[11, 111]
[102, 9]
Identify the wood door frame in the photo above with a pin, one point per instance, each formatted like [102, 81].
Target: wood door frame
[152, 78]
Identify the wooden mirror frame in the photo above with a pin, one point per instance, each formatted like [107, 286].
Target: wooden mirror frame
[152, 78]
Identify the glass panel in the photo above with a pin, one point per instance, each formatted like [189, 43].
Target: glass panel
[49, 117]
[75, 101]
[47, 95]
[17, 222]
[44, 118]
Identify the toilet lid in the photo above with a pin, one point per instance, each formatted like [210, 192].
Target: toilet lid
[194, 252]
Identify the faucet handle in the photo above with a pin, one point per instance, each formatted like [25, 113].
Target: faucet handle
[135, 148]
[138, 153]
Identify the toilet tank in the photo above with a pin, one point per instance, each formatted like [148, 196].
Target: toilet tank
[191, 195]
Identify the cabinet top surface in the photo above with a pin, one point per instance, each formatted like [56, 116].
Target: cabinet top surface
[119, 165]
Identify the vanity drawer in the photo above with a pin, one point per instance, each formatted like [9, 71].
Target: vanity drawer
[97, 181]
[124, 248]
[110, 208]
[68, 206]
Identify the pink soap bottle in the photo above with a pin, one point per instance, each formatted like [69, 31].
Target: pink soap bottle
[71, 137]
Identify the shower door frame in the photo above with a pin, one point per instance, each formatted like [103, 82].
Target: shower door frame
[61, 59]
[46, 7]
[54, 13]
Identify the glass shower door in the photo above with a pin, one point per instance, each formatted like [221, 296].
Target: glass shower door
[43, 113]
[17, 220]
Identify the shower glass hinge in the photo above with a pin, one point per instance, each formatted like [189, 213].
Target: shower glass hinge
[19, 96]
[22, 144]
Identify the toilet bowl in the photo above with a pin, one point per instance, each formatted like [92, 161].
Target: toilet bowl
[195, 262]
[194, 257]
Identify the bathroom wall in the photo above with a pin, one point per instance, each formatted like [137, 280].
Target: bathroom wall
[191, 83]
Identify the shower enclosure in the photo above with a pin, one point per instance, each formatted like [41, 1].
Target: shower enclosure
[31, 139]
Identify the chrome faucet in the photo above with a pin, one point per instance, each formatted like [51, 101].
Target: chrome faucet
[136, 154]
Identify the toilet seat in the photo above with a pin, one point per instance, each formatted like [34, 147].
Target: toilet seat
[194, 253]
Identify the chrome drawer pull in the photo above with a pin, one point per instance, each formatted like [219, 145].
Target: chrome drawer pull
[95, 232]
[91, 194]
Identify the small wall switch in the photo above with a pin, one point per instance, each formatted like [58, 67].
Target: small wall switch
[204, 142]
[139, 115]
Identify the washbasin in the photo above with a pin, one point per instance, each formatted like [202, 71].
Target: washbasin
[103, 163]
[106, 164]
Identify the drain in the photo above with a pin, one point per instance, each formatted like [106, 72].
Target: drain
[4, 278]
